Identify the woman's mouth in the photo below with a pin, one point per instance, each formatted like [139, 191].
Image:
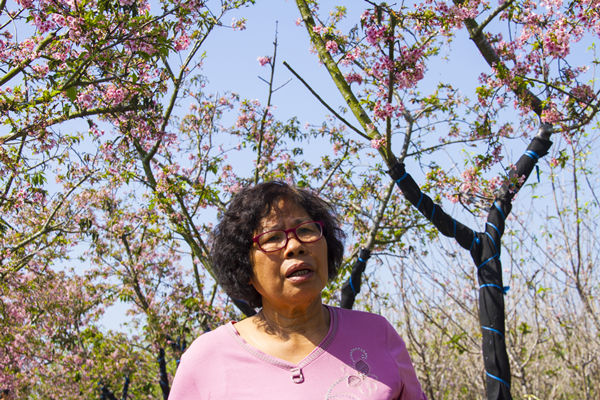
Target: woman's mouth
[299, 273]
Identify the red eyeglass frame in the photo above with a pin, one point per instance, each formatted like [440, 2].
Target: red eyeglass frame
[287, 237]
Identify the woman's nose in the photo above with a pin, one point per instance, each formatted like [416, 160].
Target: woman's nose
[294, 246]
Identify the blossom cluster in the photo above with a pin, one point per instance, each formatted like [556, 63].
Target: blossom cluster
[238, 25]
[264, 60]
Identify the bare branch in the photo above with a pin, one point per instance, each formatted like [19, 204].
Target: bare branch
[348, 124]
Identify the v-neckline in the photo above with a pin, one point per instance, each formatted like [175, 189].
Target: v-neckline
[278, 362]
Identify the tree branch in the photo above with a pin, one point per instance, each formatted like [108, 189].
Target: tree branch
[46, 228]
[348, 124]
[341, 83]
[370, 244]
[493, 15]
[11, 74]
[261, 130]
[64, 117]
[494, 61]
[332, 172]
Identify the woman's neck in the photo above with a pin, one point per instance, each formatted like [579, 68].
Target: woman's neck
[290, 335]
[310, 322]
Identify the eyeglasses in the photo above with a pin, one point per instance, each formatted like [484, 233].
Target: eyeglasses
[306, 232]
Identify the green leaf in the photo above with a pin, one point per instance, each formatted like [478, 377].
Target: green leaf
[145, 56]
[524, 328]
[38, 179]
[72, 93]
[542, 290]
[190, 302]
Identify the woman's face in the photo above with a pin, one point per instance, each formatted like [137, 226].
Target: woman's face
[280, 277]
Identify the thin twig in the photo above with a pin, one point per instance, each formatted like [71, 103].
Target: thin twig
[493, 15]
[373, 232]
[348, 124]
[331, 173]
[263, 121]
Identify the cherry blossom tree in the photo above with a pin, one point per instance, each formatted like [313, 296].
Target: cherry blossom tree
[107, 64]
[120, 157]
[390, 56]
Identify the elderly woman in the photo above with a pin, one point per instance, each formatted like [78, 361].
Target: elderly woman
[276, 248]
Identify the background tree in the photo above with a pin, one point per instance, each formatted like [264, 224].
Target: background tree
[390, 75]
[120, 156]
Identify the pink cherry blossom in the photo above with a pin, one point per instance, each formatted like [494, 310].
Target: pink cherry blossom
[238, 25]
[264, 60]
[377, 143]
[332, 47]
[375, 34]
[354, 77]
[182, 42]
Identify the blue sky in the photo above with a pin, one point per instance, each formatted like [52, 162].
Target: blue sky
[231, 65]
[231, 62]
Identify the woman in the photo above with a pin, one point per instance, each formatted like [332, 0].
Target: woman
[276, 247]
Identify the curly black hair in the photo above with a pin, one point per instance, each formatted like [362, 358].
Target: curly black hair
[232, 237]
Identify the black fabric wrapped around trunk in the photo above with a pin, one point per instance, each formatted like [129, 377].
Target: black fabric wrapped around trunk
[352, 286]
[243, 307]
[485, 250]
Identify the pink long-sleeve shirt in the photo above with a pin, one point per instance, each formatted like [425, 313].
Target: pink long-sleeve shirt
[362, 357]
